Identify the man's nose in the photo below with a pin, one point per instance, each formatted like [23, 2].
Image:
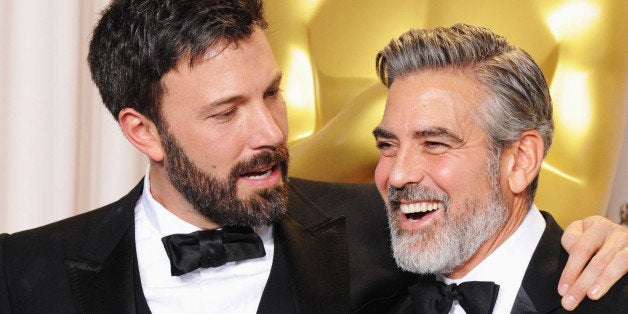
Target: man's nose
[408, 167]
[266, 129]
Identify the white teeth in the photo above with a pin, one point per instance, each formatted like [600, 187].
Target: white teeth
[264, 175]
[421, 207]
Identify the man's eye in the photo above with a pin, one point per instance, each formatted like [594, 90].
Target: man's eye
[385, 148]
[272, 92]
[436, 147]
[225, 114]
[434, 144]
[382, 145]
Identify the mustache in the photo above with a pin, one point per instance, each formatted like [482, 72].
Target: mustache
[415, 192]
[273, 156]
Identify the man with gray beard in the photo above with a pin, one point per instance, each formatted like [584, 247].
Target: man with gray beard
[467, 123]
[215, 225]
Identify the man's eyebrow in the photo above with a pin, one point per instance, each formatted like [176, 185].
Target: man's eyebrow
[210, 108]
[239, 98]
[225, 100]
[378, 132]
[438, 132]
[276, 80]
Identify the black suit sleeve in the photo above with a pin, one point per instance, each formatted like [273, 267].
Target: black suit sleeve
[5, 306]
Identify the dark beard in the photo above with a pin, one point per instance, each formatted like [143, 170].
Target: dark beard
[217, 198]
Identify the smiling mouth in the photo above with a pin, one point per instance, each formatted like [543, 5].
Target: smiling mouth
[416, 211]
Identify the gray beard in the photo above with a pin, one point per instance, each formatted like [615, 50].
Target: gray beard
[443, 248]
[450, 246]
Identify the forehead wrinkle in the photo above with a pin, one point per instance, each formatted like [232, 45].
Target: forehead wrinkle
[236, 99]
[438, 132]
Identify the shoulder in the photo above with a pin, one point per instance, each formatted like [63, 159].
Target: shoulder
[338, 198]
[545, 268]
[375, 278]
[615, 300]
[36, 260]
[67, 234]
[359, 203]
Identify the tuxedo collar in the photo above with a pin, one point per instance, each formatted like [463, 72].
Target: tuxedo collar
[543, 273]
[316, 251]
[102, 276]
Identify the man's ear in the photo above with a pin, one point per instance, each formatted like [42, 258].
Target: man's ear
[525, 157]
[142, 133]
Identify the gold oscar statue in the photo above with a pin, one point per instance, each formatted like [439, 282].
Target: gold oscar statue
[327, 49]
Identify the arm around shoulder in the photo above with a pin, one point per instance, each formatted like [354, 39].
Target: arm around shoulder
[598, 258]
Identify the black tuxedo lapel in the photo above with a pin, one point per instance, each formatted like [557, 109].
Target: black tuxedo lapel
[541, 278]
[523, 304]
[316, 252]
[278, 296]
[102, 276]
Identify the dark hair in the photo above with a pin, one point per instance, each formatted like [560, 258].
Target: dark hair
[519, 98]
[137, 41]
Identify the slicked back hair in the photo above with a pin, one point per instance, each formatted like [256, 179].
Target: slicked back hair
[136, 42]
[518, 95]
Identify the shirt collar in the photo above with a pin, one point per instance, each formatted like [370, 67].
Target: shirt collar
[506, 266]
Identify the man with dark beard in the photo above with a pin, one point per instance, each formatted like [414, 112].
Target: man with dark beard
[195, 87]
[214, 226]
[467, 123]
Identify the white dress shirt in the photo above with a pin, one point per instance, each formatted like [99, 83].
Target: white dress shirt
[507, 265]
[235, 287]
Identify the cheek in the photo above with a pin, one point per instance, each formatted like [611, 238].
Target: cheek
[213, 165]
[382, 171]
[218, 153]
[447, 175]
[460, 178]
[280, 115]
[446, 171]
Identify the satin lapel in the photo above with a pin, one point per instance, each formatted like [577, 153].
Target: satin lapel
[317, 256]
[278, 296]
[541, 278]
[101, 275]
[523, 303]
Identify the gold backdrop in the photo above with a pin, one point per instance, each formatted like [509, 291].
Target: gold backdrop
[327, 48]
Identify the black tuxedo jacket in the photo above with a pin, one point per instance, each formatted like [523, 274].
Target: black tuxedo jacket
[538, 292]
[333, 258]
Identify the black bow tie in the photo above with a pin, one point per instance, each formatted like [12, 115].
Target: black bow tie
[211, 248]
[432, 296]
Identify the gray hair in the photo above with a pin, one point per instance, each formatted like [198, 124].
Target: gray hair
[519, 97]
